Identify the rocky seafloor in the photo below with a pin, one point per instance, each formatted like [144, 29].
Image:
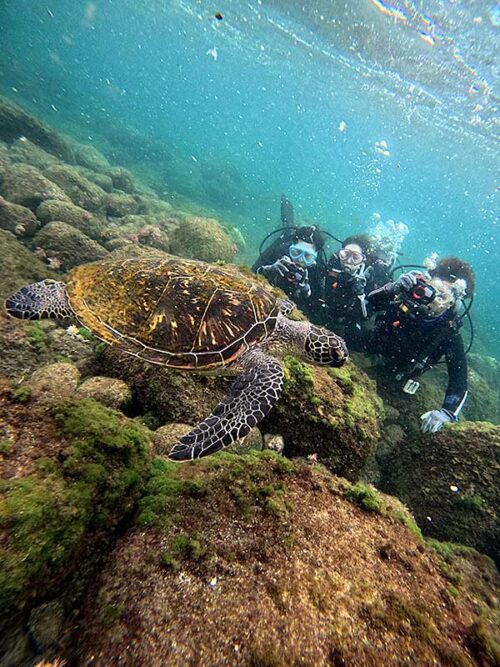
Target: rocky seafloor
[281, 550]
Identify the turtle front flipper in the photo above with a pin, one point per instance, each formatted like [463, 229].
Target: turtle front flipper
[250, 398]
[38, 301]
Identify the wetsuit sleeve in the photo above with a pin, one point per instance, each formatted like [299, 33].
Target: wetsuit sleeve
[456, 360]
[275, 251]
[380, 298]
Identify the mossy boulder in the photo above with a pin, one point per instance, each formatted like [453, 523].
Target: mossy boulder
[71, 475]
[122, 179]
[25, 185]
[80, 190]
[202, 238]
[17, 219]
[449, 481]
[15, 122]
[84, 221]
[119, 204]
[332, 413]
[108, 391]
[23, 150]
[256, 560]
[53, 383]
[88, 156]
[18, 266]
[96, 177]
[69, 246]
[139, 229]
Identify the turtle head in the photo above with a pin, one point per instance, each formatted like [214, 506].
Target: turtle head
[324, 348]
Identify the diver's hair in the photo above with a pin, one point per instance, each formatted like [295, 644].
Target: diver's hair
[310, 234]
[365, 242]
[453, 268]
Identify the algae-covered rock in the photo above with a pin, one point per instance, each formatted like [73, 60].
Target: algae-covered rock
[68, 245]
[119, 204]
[122, 179]
[53, 383]
[449, 480]
[202, 238]
[332, 413]
[88, 156]
[25, 185]
[80, 190]
[257, 560]
[15, 122]
[70, 476]
[96, 177]
[165, 437]
[18, 266]
[141, 229]
[17, 219]
[84, 221]
[24, 150]
[108, 391]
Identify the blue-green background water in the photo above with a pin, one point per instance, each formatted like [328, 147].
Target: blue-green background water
[232, 133]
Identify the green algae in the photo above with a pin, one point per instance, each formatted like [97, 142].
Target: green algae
[366, 497]
[46, 515]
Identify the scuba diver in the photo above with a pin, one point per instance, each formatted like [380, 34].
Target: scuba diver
[353, 272]
[420, 323]
[293, 260]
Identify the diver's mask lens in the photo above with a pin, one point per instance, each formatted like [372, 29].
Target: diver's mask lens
[349, 256]
[301, 254]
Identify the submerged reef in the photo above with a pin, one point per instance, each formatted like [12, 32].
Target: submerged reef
[249, 557]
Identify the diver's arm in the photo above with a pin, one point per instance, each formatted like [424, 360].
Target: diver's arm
[456, 392]
[269, 255]
[380, 298]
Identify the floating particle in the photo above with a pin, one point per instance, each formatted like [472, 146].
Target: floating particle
[342, 126]
[50, 13]
[218, 16]
[429, 518]
[213, 53]
[193, 158]
[382, 149]
[453, 488]
[52, 106]
[14, 90]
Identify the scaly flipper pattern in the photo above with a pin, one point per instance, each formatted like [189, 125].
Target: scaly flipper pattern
[250, 398]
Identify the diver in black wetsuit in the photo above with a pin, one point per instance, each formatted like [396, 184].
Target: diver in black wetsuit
[353, 272]
[420, 323]
[292, 261]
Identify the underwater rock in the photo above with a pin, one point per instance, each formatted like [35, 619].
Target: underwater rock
[65, 211]
[274, 442]
[109, 391]
[25, 185]
[4, 156]
[96, 177]
[122, 179]
[253, 441]
[155, 207]
[53, 383]
[88, 156]
[237, 237]
[17, 219]
[45, 626]
[18, 266]
[68, 245]
[70, 475]
[25, 151]
[257, 560]
[333, 413]
[202, 238]
[15, 122]
[165, 437]
[81, 191]
[141, 229]
[119, 204]
[449, 480]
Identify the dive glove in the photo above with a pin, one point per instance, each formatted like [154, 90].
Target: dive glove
[278, 269]
[434, 420]
[405, 282]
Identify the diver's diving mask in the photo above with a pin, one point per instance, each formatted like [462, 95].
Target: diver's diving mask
[302, 254]
[350, 256]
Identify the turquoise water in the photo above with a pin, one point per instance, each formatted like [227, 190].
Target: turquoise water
[286, 96]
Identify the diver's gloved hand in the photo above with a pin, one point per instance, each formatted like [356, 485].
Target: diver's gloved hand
[405, 282]
[277, 270]
[434, 420]
[303, 291]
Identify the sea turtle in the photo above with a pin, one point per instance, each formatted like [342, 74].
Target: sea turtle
[190, 316]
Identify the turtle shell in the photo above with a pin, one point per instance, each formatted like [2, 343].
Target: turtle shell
[175, 312]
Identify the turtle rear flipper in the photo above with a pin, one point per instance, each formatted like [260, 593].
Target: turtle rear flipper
[44, 300]
[250, 398]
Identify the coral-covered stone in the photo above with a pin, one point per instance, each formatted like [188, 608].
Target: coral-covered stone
[68, 245]
[202, 238]
[109, 391]
[25, 185]
[67, 212]
[54, 383]
[17, 219]
[81, 191]
[23, 150]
